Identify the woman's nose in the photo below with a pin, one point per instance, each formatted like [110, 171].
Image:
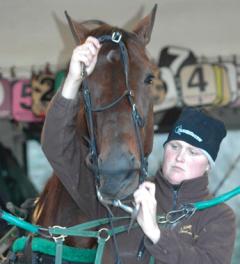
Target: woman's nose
[180, 155]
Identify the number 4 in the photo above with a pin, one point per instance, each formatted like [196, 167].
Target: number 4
[197, 79]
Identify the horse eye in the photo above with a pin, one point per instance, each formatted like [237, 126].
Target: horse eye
[149, 79]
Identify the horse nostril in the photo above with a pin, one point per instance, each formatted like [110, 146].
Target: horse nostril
[99, 161]
[132, 158]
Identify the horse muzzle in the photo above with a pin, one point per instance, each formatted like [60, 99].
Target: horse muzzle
[117, 175]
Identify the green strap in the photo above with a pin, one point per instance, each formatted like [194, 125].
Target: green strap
[152, 260]
[59, 250]
[48, 247]
[80, 230]
[101, 246]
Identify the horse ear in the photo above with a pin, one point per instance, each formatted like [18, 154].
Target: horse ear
[78, 30]
[144, 27]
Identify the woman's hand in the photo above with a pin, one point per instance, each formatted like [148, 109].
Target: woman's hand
[147, 217]
[86, 54]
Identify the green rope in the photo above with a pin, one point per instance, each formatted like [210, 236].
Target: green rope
[220, 199]
[19, 222]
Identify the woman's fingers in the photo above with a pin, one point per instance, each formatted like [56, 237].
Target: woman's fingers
[145, 196]
[94, 41]
[87, 51]
[149, 186]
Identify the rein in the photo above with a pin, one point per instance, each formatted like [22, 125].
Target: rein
[92, 158]
[58, 233]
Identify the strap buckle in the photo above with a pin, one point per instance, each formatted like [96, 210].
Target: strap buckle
[58, 238]
[116, 36]
[103, 234]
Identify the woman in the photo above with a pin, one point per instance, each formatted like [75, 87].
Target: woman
[189, 152]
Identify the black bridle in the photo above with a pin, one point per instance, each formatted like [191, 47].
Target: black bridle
[138, 121]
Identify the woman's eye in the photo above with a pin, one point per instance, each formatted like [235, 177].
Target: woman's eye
[174, 146]
[193, 152]
[149, 79]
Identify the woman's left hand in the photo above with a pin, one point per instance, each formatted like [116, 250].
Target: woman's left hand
[147, 217]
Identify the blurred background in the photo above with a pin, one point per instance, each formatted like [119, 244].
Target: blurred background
[196, 44]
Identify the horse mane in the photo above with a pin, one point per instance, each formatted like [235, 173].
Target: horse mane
[41, 200]
[53, 188]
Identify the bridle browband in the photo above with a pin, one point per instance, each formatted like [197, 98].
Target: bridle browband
[138, 121]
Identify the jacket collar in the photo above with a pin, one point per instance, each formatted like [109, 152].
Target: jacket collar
[187, 192]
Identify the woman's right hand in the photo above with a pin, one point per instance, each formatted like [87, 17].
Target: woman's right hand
[144, 197]
[86, 54]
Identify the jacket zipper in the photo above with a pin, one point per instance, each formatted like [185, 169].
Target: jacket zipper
[175, 197]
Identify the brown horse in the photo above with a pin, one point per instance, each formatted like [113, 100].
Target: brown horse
[123, 137]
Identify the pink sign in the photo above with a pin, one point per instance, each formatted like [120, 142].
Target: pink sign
[22, 102]
[5, 98]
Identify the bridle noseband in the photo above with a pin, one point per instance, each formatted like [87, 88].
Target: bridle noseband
[138, 121]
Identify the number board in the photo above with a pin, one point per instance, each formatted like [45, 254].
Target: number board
[236, 103]
[218, 80]
[171, 96]
[22, 102]
[225, 87]
[232, 74]
[198, 86]
[42, 93]
[176, 58]
[5, 98]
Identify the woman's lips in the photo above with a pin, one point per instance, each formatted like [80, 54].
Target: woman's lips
[177, 168]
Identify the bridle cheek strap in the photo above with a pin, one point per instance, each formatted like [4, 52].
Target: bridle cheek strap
[138, 121]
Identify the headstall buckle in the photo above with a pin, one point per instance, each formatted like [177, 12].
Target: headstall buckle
[116, 36]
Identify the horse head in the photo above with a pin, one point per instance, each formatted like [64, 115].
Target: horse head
[121, 107]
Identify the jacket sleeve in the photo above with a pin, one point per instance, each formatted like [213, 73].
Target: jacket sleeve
[214, 244]
[59, 140]
[66, 154]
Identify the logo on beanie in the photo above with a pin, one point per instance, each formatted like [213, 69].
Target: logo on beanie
[179, 130]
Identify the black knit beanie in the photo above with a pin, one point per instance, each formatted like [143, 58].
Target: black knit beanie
[200, 130]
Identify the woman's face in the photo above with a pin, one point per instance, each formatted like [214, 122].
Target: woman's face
[183, 161]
